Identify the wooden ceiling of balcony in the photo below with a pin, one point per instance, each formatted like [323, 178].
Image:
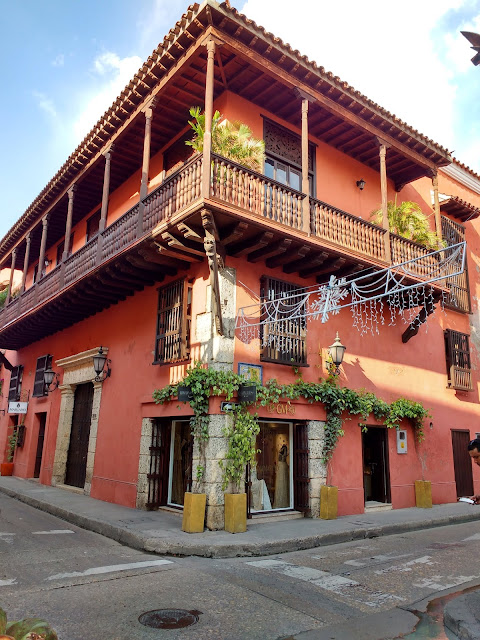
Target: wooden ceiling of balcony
[460, 209]
[250, 63]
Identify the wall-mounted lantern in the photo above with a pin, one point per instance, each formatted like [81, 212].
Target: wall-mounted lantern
[361, 184]
[50, 378]
[101, 365]
[336, 352]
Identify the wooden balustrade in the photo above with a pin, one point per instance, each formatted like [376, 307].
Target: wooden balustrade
[253, 192]
[403, 250]
[119, 234]
[346, 230]
[48, 285]
[178, 191]
[81, 262]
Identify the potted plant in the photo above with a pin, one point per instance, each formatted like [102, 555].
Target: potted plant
[6, 468]
[241, 436]
[33, 628]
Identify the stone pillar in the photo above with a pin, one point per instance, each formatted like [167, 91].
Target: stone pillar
[317, 471]
[305, 181]
[63, 433]
[436, 208]
[43, 246]
[383, 187]
[10, 282]
[106, 189]
[207, 455]
[144, 463]
[207, 135]
[217, 350]
[92, 439]
[28, 242]
[68, 225]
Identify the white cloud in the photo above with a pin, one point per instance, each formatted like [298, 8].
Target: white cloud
[114, 74]
[155, 21]
[46, 104]
[59, 60]
[390, 55]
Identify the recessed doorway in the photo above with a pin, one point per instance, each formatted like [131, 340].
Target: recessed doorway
[376, 476]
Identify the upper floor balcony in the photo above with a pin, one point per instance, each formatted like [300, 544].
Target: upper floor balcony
[256, 218]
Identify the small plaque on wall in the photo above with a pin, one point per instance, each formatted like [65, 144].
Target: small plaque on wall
[184, 393]
[251, 372]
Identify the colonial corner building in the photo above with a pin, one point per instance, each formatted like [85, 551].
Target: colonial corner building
[148, 256]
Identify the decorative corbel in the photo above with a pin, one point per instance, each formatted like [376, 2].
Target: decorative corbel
[214, 263]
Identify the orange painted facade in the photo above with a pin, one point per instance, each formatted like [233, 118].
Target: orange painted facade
[377, 362]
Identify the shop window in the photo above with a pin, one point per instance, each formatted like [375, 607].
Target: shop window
[93, 225]
[285, 340]
[457, 349]
[15, 384]
[39, 386]
[172, 343]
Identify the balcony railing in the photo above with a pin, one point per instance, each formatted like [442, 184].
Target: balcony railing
[231, 185]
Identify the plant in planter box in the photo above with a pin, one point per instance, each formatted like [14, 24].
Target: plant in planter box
[11, 445]
[26, 629]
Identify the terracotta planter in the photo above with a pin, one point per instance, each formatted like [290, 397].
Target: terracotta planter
[328, 502]
[235, 512]
[423, 494]
[6, 469]
[194, 512]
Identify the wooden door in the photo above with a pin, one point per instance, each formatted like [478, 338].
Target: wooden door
[300, 467]
[462, 463]
[159, 463]
[375, 465]
[79, 436]
[42, 419]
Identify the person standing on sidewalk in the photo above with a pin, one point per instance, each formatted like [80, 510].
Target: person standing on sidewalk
[474, 452]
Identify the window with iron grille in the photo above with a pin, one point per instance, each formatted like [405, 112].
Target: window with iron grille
[283, 341]
[459, 296]
[457, 351]
[15, 384]
[172, 343]
[39, 386]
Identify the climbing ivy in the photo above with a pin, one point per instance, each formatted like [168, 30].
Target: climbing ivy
[339, 403]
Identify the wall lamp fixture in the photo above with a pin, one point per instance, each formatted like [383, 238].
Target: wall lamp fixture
[336, 352]
[361, 184]
[51, 378]
[3, 411]
[101, 364]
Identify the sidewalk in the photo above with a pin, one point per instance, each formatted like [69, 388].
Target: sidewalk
[160, 531]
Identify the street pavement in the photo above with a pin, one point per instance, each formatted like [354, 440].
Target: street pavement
[160, 532]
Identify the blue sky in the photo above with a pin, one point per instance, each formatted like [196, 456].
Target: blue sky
[63, 63]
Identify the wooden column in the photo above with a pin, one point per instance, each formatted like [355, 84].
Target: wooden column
[383, 187]
[28, 242]
[68, 226]
[106, 189]
[305, 181]
[207, 135]
[436, 208]
[10, 282]
[146, 151]
[43, 245]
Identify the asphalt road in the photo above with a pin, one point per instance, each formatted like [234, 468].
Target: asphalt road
[90, 587]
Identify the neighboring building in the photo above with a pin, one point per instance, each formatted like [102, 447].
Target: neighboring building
[132, 232]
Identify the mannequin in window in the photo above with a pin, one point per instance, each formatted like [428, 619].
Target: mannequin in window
[282, 480]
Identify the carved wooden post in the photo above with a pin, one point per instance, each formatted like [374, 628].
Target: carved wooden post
[10, 282]
[68, 226]
[305, 182]
[43, 245]
[436, 207]
[28, 242]
[145, 164]
[383, 187]
[106, 189]
[207, 134]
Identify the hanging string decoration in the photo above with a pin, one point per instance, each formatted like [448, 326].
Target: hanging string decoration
[407, 291]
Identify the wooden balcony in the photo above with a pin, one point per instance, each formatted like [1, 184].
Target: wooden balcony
[257, 218]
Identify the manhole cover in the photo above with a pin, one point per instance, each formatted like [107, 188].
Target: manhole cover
[169, 618]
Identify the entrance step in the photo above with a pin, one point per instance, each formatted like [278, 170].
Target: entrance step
[372, 505]
[258, 518]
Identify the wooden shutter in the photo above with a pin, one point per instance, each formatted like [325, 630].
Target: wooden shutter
[458, 360]
[15, 383]
[173, 322]
[459, 297]
[285, 341]
[39, 387]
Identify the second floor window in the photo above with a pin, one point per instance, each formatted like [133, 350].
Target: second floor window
[39, 388]
[15, 388]
[285, 340]
[61, 247]
[93, 225]
[457, 351]
[459, 297]
[172, 342]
